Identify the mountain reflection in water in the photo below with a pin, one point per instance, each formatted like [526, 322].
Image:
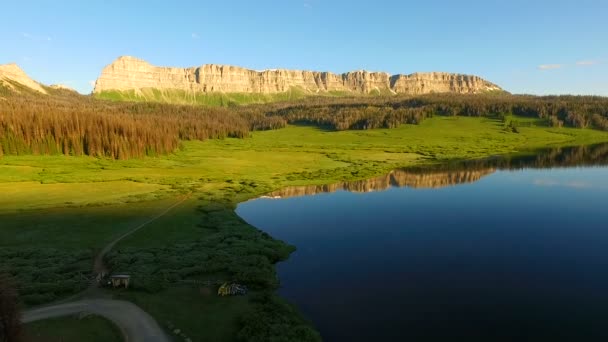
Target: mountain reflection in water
[518, 256]
[460, 172]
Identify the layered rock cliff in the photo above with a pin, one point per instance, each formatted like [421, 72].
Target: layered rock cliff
[12, 73]
[129, 73]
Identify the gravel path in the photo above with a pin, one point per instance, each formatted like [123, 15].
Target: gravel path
[134, 323]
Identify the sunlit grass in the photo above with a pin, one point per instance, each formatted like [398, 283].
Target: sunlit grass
[270, 158]
[33, 195]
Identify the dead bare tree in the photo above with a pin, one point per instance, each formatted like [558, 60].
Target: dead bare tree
[10, 313]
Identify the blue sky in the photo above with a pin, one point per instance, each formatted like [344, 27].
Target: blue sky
[534, 46]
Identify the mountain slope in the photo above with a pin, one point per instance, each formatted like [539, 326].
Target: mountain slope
[12, 74]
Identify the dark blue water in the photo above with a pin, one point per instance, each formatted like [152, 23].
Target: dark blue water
[483, 255]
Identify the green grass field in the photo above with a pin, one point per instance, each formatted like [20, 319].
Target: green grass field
[73, 329]
[62, 209]
[267, 160]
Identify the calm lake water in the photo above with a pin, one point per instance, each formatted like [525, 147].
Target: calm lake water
[502, 249]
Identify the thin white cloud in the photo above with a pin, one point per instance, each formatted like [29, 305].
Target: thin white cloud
[550, 66]
[27, 35]
[587, 62]
[195, 35]
[92, 84]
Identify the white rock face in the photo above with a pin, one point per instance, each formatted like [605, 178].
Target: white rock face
[440, 82]
[129, 73]
[12, 72]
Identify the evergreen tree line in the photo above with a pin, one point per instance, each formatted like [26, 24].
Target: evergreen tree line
[388, 112]
[587, 155]
[71, 124]
[78, 125]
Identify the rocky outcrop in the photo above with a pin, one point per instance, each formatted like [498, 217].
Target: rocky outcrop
[129, 73]
[12, 73]
[439, 82]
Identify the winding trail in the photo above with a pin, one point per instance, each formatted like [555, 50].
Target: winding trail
[135, 324]
[99, 267]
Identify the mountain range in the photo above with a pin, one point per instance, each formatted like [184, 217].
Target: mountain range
[132, 78]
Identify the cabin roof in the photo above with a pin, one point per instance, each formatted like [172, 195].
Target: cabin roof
[120, 276]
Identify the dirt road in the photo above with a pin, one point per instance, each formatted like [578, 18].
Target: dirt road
[135, 324]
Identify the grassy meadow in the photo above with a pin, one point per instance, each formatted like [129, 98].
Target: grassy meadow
[63, 209]
[266, 160]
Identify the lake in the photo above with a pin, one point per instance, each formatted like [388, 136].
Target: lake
[500, 249]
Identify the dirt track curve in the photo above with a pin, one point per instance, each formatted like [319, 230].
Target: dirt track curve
[99, 267]
[135, 324]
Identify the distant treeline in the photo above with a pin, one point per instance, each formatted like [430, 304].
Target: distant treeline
[389, 112]
[576, 156]
[71, 124]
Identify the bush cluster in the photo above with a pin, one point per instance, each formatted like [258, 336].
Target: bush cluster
[46, 274]
[226, 246]
[272, 319]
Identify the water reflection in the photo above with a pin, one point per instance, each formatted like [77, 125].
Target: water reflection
[519, 256]
[461, 172]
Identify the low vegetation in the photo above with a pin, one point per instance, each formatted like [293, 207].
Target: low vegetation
[271, 318]
[89, 328]
[220, 247]
[10, 311]
[46, 274]
[49, 252]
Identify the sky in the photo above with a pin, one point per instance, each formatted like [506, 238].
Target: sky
[534, 46]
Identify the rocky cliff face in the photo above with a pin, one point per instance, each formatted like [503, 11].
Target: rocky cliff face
[13, 73]
[129, 73]
[440, 82]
